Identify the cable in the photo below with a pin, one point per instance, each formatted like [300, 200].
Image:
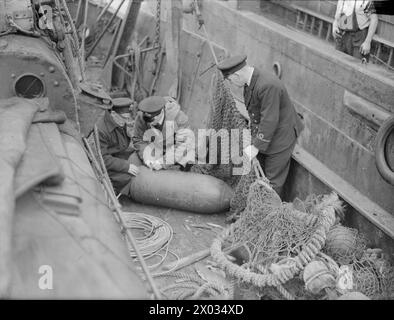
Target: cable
[156, 235]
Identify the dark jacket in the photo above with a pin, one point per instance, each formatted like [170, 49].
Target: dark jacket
[173, 116]
[274, 122]
[116, 149]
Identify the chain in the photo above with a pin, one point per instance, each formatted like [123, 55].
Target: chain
[157, 31]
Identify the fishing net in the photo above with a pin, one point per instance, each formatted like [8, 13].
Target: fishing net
[224, 116]
[239, 201]
[281, 240]
[372, 275]
[344, 244]
[184, 286]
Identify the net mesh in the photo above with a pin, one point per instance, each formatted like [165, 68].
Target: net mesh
[344, 244]
[272, 230]
[224, 115]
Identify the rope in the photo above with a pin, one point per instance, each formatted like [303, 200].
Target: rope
[157, 235]
[194, 287]
[119, 217]
[284, 272]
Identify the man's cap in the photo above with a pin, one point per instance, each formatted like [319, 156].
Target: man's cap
[152, 104]
[233, 64]
[121, 104]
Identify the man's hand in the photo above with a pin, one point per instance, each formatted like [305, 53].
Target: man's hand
[336, 32]
[154, 164]
[365, 47]
[251, 152]
[133, 170]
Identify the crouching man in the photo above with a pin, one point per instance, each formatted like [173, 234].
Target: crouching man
[162, 136]
[115, 145]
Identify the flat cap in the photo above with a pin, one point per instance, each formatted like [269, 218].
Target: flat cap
[233, 64]
[152, 104]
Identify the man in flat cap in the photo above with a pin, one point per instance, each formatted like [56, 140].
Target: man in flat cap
[115, 144]
[274, 123]
[162, 136]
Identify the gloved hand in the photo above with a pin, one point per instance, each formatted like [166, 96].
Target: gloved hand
[251, 152]
[133, 169]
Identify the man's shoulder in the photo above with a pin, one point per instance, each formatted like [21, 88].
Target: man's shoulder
[139, 122]
[266, 81]
[102, 122]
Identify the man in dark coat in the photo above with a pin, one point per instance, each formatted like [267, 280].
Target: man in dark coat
[274, 123]
[115, 143]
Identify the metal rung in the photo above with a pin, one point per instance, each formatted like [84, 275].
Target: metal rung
[379, 50]
[329, 31]
[298, 19]
[305, 21]
[390, 60]
[313, 24]
[321, 28]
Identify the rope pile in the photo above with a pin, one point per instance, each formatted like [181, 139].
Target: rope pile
[186, 286]
[281, 240]
[153, 236]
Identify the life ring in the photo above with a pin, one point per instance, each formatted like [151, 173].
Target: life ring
[380, 150]
[277, 69]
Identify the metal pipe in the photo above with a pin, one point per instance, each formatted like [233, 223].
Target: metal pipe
[84, 28]
[104, 11]
[105, 29]
[78, 11]
[113, 41]
[201, 21]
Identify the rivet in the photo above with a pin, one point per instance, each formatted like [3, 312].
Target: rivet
[42, 74]
[56, 84]
[13, 75]
[51, 69]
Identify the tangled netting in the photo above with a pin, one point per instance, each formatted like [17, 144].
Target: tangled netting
[373, 276]
[281, 240]
[344, 244]
[224, 116]
[184, 286]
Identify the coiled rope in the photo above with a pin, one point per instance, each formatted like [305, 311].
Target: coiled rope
[194, 287]
[156, 236]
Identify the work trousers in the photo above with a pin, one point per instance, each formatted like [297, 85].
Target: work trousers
[276, 167]
[351, 41]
